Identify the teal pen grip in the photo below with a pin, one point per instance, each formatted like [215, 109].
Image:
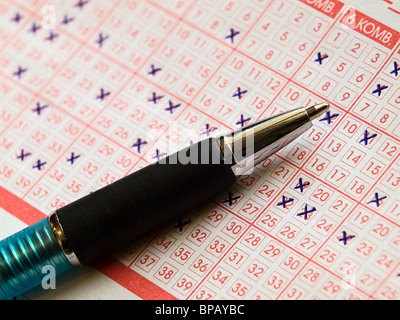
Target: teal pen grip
[24, 255]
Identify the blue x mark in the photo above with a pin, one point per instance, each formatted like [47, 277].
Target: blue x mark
[159, 155]
[34, 28]
[103, 94]
[23, 155]
[243, 121]
[39, 108]
[155, 98]
[39, 165]
[302, 185]
[17, 18]
[328, 117]
[285, 201]
[81, 4]
[153, 70]
[366, 138]
[377, 200]
[73, 157]
[102, 38]
[396, 69]
[138, 144]
[172, 107]
[208, 130]
[306, 212]
[239, 93]
[19, 72]
[231, 199]
[345, 237]
[232, 34]
[379, 89]
[66, 20]
[52, 35]
[320, 57]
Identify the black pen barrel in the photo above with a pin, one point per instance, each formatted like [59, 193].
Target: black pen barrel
[111, 217]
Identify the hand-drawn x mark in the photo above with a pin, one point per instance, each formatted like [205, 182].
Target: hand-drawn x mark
[172, 107]
[345, 237]
[153, 70]
[19, 72]
[81, 4]
[155, 98]
[181, 224]
[39, 108]
[232, 34]
[17, 18]
[23, 155]
[103, 94]
[285, 201]
[239, 93]
[34, 28]
[328, 117]
[320, 57]
[242, 121]
[208, 130]
[66, 20]
[366, 138]
[377, 200]
[379, 89]
[159, 155]
[39, 165]
[101, 39]
[306, 212]
[301, 186]
[73, 157]
[231, 199]
[138, 144]
[396, 69]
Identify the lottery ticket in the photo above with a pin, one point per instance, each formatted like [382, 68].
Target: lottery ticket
[93, 90]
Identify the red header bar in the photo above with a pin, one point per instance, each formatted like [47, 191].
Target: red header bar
[370, 28]
[331, 8]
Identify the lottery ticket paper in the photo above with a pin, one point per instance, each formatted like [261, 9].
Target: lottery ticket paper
[93, 90]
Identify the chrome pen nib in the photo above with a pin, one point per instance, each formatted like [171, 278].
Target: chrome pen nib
[249, 146]
[317, 110]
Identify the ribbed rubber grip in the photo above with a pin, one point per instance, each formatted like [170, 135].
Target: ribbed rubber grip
[109, 218]
[23, 256]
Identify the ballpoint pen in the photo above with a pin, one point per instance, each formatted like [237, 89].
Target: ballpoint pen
[105, 220]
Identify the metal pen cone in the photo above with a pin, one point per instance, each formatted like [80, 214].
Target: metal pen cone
[246, 147]
[317, 110]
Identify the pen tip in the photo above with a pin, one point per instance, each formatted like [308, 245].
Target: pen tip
[316, 110]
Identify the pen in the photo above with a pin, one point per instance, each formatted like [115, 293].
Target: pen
[105, 220]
